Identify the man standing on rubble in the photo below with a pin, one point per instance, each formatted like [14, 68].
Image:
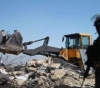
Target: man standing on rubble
[15, 31]
[93, 53]
[4, 36]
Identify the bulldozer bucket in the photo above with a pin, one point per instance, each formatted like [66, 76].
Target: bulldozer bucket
[13, 45]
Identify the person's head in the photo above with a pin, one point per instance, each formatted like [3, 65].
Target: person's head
[97, 24]
[15, 30]
[2, 30]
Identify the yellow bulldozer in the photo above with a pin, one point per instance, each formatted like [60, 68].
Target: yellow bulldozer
[74, 51]
[75, 47]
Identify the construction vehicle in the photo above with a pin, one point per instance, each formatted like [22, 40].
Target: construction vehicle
[75, 47]
[74, 51]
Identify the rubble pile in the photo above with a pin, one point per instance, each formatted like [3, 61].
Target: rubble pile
[41, 75]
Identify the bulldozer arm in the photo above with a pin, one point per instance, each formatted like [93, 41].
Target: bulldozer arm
[43, 50]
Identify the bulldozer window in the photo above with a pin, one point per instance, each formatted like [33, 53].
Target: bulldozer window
[71, 42]
[85, 41]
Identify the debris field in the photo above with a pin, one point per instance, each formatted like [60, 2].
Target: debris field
[40, 74]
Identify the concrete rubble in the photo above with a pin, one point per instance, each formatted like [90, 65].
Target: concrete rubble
[40, 74]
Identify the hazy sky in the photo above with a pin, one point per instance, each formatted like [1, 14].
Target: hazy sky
[36, 19]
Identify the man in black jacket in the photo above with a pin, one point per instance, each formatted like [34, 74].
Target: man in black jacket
[93, 53]
[97, 61]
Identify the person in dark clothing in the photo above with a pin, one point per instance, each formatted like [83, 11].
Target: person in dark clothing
[15, 31]
[94, 52]
[97, 43]
[4, 36]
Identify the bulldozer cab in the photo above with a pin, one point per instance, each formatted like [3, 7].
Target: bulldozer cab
[77, 40]
[75, 47]
[74, 44]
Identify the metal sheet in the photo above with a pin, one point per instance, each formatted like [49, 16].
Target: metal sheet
[84, 56]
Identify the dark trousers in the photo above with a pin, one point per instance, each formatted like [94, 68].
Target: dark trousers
[4, 40]
[97, 77]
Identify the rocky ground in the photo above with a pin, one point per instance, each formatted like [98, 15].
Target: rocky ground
[41, 75]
